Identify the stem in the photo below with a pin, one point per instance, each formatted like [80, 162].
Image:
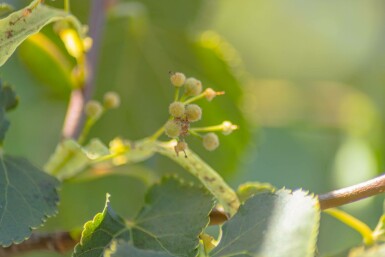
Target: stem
[67, 6]
[353, 193]
[74, 119]
[208, 129]
[157, 134]
[195, 98]
[354, 223]
[176, 94]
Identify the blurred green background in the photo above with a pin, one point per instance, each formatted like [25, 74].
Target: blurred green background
[305, 80]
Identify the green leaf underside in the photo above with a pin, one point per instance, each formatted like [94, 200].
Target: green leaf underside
[274, 225]
[124, 249]
[19, 25]
[27, 197]
[99, 233]
[374, 251]
[168, 223]
[70, 158]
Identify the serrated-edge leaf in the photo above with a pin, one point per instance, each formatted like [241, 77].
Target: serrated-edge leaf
[254, 230]
[89, 241]
[34, 199]
[152, 207]
[164, 224]
[19, 25]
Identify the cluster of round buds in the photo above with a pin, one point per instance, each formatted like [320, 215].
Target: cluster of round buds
[184, 112]
[94, 109]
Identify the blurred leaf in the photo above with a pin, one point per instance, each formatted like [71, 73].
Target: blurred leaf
[166, 223]
[5, 9]
[27, 197]
[99, 233]
[70, 158]
[141, 64]
[374, 251]
[8, 101]
[85, 196]
[46, 61]
[21, 24]
[272, 224]
[124, 249]
[246, 190]
[169, 222]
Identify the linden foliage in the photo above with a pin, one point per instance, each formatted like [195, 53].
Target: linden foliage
[175, 217]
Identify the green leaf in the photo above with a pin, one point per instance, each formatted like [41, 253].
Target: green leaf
[47, 63]
[167, 223]
[124, 249]
[248, 189]
[5, 9]
[100, 232]
[272, 224]
[207, 175]
[173, 217]
[19, 25]
[70, 158]
[27, 197]
[374, 251]
[8, 101]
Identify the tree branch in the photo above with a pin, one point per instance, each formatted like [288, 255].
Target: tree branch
[74, 119]
[59, 242]
[353, 193]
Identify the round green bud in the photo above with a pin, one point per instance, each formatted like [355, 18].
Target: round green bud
[176, 109]
[93, 109]
[193, 112]
[177, 79]
[181, 146]
[192, 87]
[172, 128]
[210, 141]
[111, 100]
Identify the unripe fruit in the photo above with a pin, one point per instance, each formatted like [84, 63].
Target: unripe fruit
[192, 87]
[210, 94]
[176, 109]
[177, 79]
[181, 146]
[193, 112]
[210, 141]
[172, 128]
[111, 100]
[93, 109]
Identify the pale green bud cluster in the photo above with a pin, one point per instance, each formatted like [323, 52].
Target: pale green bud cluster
[210, 141]
[176, 109]
[193, 112]
[193, 87]
[93, 109]
[173, 128]
[177, 79]
[111, 100]
[184, 112]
